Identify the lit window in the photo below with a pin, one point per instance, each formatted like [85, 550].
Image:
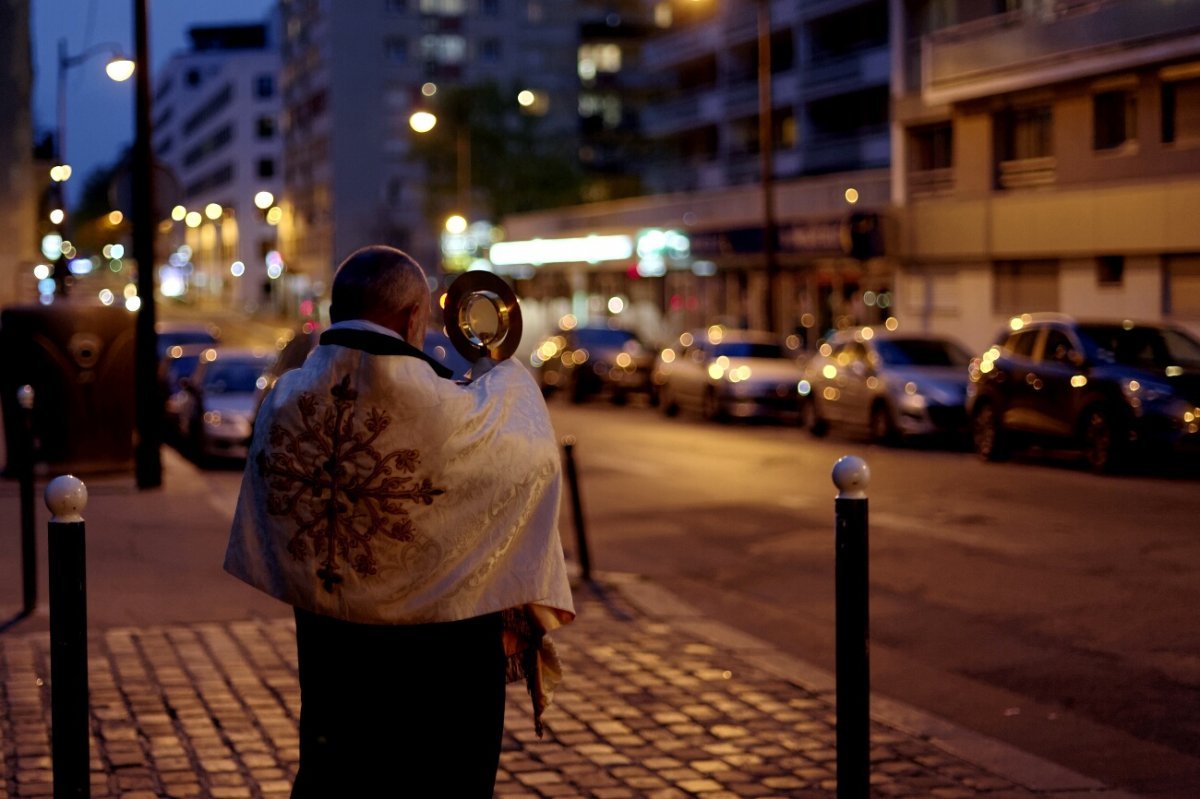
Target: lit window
[443, 49]
[445, 8]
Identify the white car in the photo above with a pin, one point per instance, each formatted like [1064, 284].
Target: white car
[890, 384]
[726, 373]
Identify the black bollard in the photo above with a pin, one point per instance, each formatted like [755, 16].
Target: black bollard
[66, 496]
[585, 558]
[28, 453]
[851, 475]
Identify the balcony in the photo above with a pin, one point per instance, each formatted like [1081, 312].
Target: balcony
[830, 76]
[1026, 173]
[1073, 39]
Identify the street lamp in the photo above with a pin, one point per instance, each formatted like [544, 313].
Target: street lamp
[766, 144]
[423, 122]
[119, 68]
[148, 407]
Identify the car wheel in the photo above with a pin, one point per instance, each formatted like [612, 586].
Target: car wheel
[883, 429]
[667, 401]
[711, 408]
[811, 419]
[1101, 442]
[991, 439]
[579, 389]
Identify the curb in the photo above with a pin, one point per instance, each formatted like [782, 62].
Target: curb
[1022, 768]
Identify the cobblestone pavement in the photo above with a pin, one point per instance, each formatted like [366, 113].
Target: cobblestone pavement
[653, 706]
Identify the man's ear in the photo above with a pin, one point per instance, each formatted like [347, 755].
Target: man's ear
[414, 328]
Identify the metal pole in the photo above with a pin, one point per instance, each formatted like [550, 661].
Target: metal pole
[60, 155]
[66, 497]
[29, 586]
[851, 475]
[766, 143]
[147, 407]
[585, 558]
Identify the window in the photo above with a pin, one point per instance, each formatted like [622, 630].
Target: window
[445, 8]
[1022, 343]
[266, 127]
[1025, 147]
[1057, 347]
[598, 58]
[1024, 286]
[395, 49]
[1181, 286]
[1114, 119]
[1181, 111]
[1110, 270]
[534, 12]
[266, 167]
[931, 158]
[264, 86]
[1024, 133]
[490, 8]
[443, 49]
[396, 6]
[490, 51]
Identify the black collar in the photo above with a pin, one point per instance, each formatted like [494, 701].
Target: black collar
[380, 344]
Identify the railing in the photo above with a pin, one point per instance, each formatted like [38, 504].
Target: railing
[1026, 173]
[931, 181]
[966, 60]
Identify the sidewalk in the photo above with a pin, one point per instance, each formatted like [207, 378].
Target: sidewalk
[658, 702]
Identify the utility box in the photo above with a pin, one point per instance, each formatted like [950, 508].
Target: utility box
[79, 359]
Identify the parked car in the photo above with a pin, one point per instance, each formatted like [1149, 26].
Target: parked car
[723, 372]
[589, 361]
[1112, 388]
[177, 364]
[172, 334]
[215, 405]
[889, 384]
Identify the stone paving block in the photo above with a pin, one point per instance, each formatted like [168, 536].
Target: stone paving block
[648, 709]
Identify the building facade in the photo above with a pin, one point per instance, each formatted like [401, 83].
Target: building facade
[803, 251]
[216, 140]
[353, 76]
[19, 185]
[1047, 159]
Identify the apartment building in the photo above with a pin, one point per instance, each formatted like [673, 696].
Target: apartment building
[813, 256]
[19, 186]
[354, 74]
[1047, 159]
[216, 136]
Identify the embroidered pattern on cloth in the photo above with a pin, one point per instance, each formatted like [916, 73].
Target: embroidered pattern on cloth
[339, 490]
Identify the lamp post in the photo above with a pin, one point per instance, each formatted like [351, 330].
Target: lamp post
[766, 143]
[119, 69]
[148, 407]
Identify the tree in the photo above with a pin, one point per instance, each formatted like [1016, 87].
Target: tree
[516, 164]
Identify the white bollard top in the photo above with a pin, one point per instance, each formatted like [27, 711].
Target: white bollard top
[851, 475]
[66, 497]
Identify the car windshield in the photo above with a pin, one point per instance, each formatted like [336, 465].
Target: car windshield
[1152, 347]
[604, 337]
[748, 349]
[233, 377]
[921, 352]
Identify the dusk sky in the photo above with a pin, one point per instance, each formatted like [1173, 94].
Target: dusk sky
[100, 112]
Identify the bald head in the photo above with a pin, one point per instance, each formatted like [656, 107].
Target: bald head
[385, 286]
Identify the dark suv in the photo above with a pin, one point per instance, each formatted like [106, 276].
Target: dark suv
[1111, 388]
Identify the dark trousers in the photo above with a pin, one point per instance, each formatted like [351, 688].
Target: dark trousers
[399, 712]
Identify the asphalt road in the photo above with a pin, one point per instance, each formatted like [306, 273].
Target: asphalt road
[1031, 601]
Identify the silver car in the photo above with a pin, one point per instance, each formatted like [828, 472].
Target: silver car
[215, 405]
[727, 373]
[890, 384]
